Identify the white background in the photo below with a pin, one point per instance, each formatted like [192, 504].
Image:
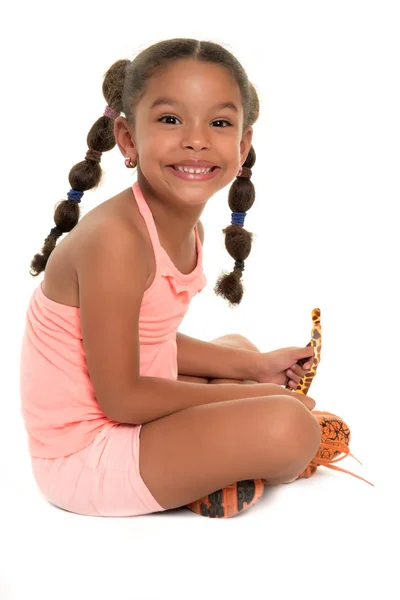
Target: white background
[327, 190]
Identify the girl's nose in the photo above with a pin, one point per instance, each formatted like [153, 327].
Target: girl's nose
[196, 139]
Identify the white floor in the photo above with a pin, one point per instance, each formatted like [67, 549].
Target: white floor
[326, 537]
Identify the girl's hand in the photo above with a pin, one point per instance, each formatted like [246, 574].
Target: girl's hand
[280, 366]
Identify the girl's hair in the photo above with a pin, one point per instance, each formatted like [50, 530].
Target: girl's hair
[123, 86]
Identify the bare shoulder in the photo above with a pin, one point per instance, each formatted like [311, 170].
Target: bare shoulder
[108, 225]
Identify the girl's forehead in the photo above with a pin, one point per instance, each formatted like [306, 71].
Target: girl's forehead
[186, 78]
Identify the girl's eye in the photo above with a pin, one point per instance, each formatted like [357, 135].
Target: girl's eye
[176, 119]
[222, 121]
[168, 117]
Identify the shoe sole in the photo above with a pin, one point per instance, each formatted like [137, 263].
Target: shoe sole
[230, 500]
[333, 430]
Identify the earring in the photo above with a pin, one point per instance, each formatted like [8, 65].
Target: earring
[129, 164]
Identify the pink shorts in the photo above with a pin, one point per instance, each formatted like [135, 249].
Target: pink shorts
[100, 480]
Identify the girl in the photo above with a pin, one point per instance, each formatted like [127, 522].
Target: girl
[118, 418]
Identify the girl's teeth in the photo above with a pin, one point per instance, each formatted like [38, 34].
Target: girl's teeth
[192, 170]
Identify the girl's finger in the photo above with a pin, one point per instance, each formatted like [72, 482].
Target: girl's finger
[293, 376]
[304, 369]
[299, 371]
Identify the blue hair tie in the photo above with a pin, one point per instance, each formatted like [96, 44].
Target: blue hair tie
[75, 195]
[238, 218]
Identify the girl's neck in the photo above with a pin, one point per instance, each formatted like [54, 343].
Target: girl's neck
[174, 223]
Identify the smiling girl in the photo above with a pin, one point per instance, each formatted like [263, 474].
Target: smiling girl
[120, 408]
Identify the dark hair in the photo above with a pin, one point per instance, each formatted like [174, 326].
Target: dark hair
[123, 86]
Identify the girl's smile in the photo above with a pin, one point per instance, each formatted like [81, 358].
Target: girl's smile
[194, 173]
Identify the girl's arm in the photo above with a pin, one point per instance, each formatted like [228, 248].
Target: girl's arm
[153, 398]
[206, 359]
[112, 273]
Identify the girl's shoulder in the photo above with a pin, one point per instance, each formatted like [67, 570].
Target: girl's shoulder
[106, 221]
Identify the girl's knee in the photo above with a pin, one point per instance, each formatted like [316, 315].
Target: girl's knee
[296, 429]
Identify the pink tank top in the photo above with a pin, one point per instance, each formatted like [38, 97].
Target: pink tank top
[58, 401]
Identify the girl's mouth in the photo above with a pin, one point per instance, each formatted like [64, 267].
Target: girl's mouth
[194, 174]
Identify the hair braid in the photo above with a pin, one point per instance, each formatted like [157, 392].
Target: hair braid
[238, 240]
[86, 174]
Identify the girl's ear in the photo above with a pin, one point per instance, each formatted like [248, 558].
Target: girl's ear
[123, 137]
[245, 144]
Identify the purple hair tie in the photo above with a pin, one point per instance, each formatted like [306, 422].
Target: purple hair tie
[110, 112]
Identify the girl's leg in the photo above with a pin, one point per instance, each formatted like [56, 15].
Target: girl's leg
[193, 452]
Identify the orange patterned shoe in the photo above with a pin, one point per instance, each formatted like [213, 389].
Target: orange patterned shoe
[335, 438]
[229, 501]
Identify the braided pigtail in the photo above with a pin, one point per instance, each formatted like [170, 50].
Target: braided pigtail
[238, 241]
[86, 174]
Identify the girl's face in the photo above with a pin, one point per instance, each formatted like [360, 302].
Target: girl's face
[181, 117]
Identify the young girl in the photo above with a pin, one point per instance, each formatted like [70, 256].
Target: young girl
[119, 419]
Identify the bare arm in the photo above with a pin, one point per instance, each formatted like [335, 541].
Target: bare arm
[153, 398]
[206, 359]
